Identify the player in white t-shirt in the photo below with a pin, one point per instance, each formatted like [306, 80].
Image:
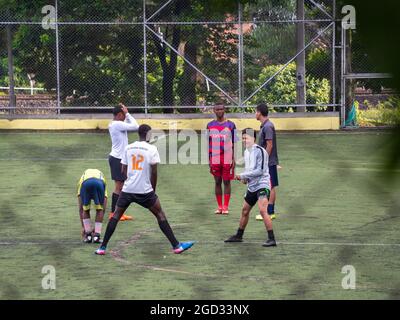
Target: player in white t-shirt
[139, 163]
[118, 128]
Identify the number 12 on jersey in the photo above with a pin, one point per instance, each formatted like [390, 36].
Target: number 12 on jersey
[136, 162]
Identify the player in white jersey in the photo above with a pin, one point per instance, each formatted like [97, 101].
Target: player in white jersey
[139, 163]
[118, 128]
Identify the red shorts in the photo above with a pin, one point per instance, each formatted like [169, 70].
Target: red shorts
[226, 171]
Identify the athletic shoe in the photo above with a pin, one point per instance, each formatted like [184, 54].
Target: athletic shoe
[260, 218]
[125, 218]
[183, 246]
[218, 211]
[96, 238]
[234, 238]
[269, 243]
[225, 211]
[88, 238]
[101, 251]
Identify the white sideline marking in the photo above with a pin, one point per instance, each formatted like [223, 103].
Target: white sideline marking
[354, 244]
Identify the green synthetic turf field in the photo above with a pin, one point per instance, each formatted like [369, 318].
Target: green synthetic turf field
[334, 209]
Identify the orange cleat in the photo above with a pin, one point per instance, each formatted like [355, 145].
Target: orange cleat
[123, 217]
[126, 218]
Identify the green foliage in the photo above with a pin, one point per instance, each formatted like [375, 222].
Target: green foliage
[384, 113]
[282, 89]
[319, 63]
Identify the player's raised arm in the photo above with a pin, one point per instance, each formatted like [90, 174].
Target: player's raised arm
[130, 123]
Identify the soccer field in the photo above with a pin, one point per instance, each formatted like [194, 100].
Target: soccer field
[333, 209]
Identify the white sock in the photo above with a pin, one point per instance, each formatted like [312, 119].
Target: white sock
[87, 225]
[97, 227]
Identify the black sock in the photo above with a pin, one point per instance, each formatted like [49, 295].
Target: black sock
[166, 229]
[239, 233]
[114, 201]
[271, 235]
[112, 224]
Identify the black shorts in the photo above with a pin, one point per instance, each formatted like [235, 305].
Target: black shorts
[146, 200]
[273, 173]
[252, 197]
[116, 169]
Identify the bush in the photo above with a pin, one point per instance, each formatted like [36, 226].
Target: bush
[282, 89]
[385, 113]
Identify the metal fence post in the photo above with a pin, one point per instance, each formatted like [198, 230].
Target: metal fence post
[334, 54]
[144, 56]
[11, 84]
[57, 59]
[343, 79]
[240, 55]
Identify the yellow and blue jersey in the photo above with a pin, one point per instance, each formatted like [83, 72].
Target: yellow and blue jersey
[91, 173]
[92, 186]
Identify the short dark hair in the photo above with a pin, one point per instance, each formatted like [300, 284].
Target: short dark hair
[263, 109]
[143, 131]
[219, 103]
[251, 132]
[116, 110]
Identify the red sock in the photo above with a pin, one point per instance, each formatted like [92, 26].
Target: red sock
[227, 197]
[219, 200]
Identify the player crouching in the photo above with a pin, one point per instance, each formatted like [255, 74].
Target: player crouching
[92, 186]
[256, 176]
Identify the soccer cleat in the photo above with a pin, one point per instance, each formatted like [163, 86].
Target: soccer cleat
[183, 246]
[225, 211]
[101, 251]
[234, 238]
[96, 238]
[218, 211]
[260, 218]
[125, 218]
[269, 243]
[88, 238]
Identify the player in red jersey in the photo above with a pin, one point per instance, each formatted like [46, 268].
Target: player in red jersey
[221, 135]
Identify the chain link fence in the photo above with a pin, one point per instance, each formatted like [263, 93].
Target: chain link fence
[167, 56]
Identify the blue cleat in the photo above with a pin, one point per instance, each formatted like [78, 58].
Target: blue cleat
[183, 246]
[101, 251]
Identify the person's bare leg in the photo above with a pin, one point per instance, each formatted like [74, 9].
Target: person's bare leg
[158, 212]
[117, 191]
[244, 219]
[112, 224]
[262, 204]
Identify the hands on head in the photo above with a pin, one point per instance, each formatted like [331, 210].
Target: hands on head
[124, 108]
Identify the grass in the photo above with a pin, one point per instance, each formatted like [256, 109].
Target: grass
[332, 201]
